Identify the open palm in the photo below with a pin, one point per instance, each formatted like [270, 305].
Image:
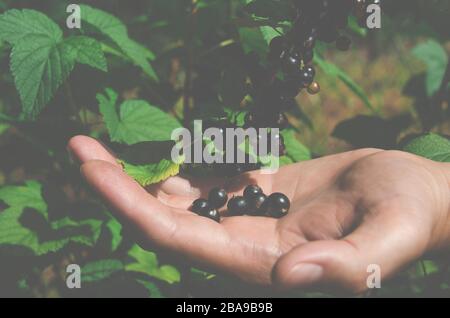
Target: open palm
[347, 211]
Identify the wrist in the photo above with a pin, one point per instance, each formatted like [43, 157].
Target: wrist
[442, 231]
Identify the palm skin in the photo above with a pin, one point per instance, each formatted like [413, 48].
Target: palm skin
[347, 211]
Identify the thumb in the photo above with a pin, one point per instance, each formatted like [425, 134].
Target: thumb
[387, 242]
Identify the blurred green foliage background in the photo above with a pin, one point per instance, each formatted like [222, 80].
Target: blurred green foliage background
[49, 218]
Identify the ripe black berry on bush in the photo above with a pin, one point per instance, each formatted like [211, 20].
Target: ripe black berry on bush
[310, 70]
[237, 206]
[281, 121]
[217, 198]
[277, 48]
[291, 63]
[306, 77]
[314, 88]
[212, 214]
[199, 206]
[275, 86]
[310, 40]
[277, 205]
[314, 20]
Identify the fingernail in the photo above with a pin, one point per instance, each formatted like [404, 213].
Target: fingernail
[306, 274]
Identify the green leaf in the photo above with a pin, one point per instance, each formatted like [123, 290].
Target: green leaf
[270, 9]
[332, 70]
[436, 59]
[269, 33]
[430, 146]
[41, 60]
[153, 172]
[257, 39]
[296, 151]
[150, 162]
[147, 263]
[363, 131]
[57, 233]
[425, 268]
[136, 121]
[100, 270]
[28, 195]
[15, 25]
[38, 63]
[3, 128]
[39, 66]
[285, 161]
[116, 233]
[108, 25]
[88, 51]
[108, 108]
[253, 41]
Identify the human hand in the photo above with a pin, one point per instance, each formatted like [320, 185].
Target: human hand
[347, 211]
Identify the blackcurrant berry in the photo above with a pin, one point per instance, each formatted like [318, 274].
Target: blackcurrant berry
[281, 121]
[311, 70]
[217, 198]
[237, 206]
[277, 205]
[291, 63]
[252, 191]
[199, 206]
[277, 48]
[314, 88]
[310, 41]
[212, 214]
[343, 43]
[306, 78]
[257, 205]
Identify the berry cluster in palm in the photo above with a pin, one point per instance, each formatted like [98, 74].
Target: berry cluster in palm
[253, 202]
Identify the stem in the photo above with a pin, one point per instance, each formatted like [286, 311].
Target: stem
[218, 46]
